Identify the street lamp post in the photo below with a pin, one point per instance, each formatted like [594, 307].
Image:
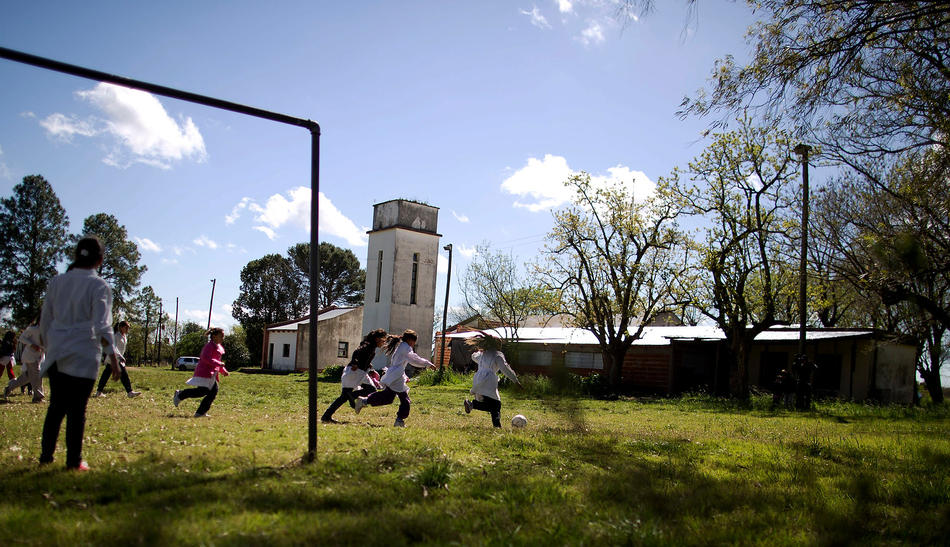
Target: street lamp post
[803, 368]
[445, 309]
[211, 304]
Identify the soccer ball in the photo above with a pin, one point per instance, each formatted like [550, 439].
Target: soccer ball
[519, 421]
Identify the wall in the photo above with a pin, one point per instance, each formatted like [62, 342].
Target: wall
[345, 327]
[278, 339]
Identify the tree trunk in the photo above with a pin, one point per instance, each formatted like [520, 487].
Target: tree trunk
[737, 356]
[613, 361]
[932, 381]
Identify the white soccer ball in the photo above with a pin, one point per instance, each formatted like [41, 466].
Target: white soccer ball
[519, 421]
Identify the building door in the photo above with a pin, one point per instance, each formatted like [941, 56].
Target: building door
[270, 356]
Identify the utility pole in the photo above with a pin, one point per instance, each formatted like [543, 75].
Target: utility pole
[211, 305]
[158, 357]
[803, 368]
[445, 309]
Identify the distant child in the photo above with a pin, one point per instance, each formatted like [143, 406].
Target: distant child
[490, 361]
[401, 351]
[355, 374]
[121, 340]
[205, 380]
[32, 357]
[7, 348]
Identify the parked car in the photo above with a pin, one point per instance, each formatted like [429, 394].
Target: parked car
[186, 363]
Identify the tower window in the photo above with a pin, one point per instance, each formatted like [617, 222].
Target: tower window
[415, 278]
[379, 273]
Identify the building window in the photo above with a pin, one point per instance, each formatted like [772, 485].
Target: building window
[579, 359]
[379, 273]
[534, 358]
[343, 349]
[415, 278]
[286, 352]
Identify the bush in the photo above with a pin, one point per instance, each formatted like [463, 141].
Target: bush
[332, 374]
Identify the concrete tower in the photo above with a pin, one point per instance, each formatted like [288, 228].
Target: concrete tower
[401, 266]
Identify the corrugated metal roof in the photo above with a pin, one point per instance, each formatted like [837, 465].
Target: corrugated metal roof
[322, 317]
[658, 336]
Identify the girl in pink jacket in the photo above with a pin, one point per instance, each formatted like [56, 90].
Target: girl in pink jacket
[205, 379]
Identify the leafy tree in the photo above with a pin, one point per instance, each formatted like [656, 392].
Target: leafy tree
[120, 267]
[189, 327]
[869, 77]
[342, 281]
[495, 288]
[236, 353]
[744, 187]
[33, 229]
[269, 293]
[192, 343]
[615, 261]
[146, 307]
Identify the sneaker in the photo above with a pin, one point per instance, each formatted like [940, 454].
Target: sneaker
[468, 406]
[359, 404]
[134, 394]
[82, 467]
[99, 394]
[39, 398]
[177, 398]
[205, 415]
[399, 423]
[6, 391]
[329, 421]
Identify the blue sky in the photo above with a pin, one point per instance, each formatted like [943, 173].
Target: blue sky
[479, 108]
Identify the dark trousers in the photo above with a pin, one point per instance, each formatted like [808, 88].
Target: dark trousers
[68, 396]
[107, 373]
[491, 406]
[208, 394]
[347, 395]
[386, 396]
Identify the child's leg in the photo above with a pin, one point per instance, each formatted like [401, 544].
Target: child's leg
[491, 406]
[55, 413]
[206, 402]
[380, 398]
[345, 396]
[104, 379]
[404, 403]
[79, 391]
[193, 392]
[124, 377]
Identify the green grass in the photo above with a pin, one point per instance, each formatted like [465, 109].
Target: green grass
[695, 470]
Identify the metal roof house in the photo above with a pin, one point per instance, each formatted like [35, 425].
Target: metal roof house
[855, 364]
[286, 344]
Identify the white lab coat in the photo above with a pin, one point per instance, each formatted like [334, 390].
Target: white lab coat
[31, 337]
[77, 316]
[485, 381]
[395, 377]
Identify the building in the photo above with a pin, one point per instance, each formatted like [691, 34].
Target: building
[287, 345]
[401, 266]
[854, 364]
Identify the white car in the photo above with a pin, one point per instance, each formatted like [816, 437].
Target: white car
[186, 363]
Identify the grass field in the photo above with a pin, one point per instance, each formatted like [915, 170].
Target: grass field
[695, 470]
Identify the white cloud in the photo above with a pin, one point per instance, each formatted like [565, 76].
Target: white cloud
[565, 6]
[293, 209]
[65, 127]
[204, 241]
[147, 244]
[543, 182]
[236, 211]
[461, 218]
[169, 261]
[593, 34]
[537, 19]
[466, 251]
[136, 121]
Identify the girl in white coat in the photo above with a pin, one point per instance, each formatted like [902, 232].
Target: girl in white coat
[485, 382]
[33, 355]
[402, 354]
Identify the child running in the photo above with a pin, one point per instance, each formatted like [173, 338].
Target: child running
[7, 349]
[33, 355]
[490, 361]
[205, 380]
[355, 374]
[401, 352]
[121, 340]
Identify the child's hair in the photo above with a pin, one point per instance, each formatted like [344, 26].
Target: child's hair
[484, 342]
[215, 330]
[393, 341]
[9, 335]
[121, 324]
[374, 335]
[89, 251]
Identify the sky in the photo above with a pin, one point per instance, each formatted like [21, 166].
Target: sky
[481, 109]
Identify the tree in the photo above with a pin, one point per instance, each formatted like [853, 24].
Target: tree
[890, 228]
[616, 261]
[120, 267]
[744, 186]
[146, 308]
[269, 293]
[493, 287]
[189, 327]
[33, 229]
[342, 281]
[870, 78]
[235, 348]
